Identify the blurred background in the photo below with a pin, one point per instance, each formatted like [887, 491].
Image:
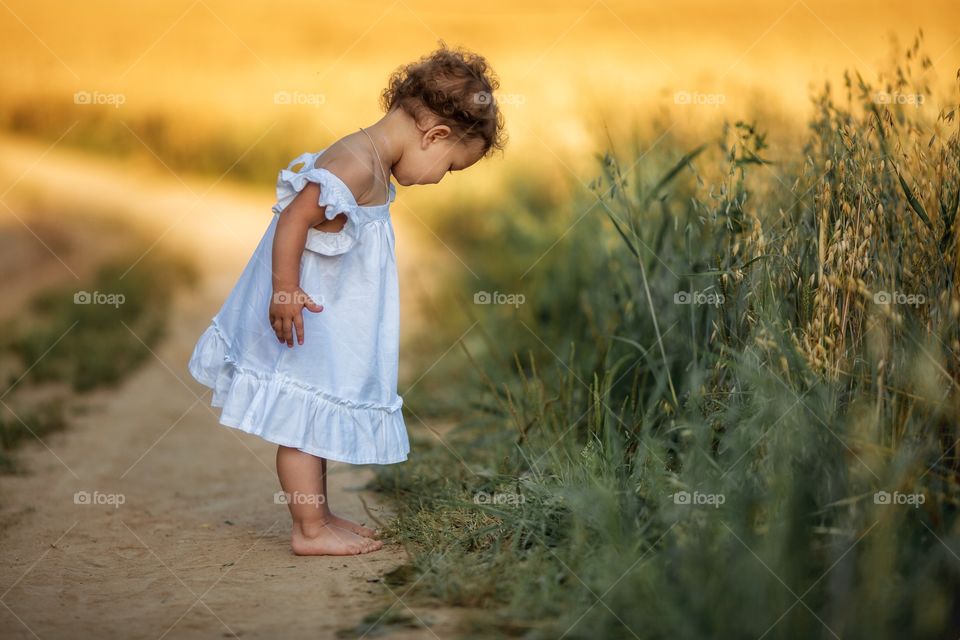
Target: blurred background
[211, 87]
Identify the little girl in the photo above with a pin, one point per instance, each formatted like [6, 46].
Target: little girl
[329, 248]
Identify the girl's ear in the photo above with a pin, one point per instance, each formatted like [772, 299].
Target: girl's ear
[436, 133]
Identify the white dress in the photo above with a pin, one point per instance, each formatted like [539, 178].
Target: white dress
[334, 396]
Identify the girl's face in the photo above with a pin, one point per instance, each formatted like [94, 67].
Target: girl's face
[430, 155]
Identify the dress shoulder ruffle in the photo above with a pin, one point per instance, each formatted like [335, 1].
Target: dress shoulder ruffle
[334, 195]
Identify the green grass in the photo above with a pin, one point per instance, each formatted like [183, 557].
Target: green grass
[786, 407]
[59, 342]
[35, 421]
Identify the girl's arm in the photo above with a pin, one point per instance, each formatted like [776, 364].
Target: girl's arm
[288, 300]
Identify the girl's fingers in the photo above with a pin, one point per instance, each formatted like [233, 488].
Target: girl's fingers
[298, 323]
[284, 327]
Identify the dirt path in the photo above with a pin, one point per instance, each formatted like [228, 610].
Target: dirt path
[198, 548]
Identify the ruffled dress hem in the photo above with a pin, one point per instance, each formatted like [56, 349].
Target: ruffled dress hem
[331, 427]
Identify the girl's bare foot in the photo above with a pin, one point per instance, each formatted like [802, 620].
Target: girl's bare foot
[350, 525]
[319, 539]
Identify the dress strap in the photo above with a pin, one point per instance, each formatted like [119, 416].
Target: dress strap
[386, 179]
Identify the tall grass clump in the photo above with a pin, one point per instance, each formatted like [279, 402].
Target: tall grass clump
[728, 407]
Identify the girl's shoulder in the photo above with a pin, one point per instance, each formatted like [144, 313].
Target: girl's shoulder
[352, 164]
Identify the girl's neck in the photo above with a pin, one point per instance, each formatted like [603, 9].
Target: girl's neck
[387, 134]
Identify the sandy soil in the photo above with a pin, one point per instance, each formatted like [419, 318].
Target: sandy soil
[198, 548]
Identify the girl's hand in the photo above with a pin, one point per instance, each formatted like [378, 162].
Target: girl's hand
[286, 312]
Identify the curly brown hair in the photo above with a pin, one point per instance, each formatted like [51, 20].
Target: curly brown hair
[457, 86]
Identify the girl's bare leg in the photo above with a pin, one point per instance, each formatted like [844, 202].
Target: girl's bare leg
[314, 532]
[343, 523]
